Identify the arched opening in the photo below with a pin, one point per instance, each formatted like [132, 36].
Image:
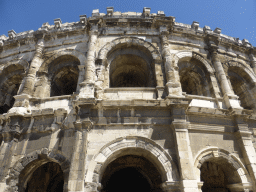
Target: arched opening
[9, 85]
[63, 73]
[64, 82]
[240, 83]
[131, 173]
[217, 174]
[48, 177]
[130, 67]
[130, 178]
[193, 78]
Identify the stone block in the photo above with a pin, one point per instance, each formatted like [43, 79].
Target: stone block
[183, 154]
[107, 152]
[189, 183]
[187, 170]
[153, 150]
[72, 185]
[97, 168]
[100, 158]
[162, 159]
[117, 146]
[121, 67]
[141, 144]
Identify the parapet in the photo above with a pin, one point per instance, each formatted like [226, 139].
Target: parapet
[146, 19]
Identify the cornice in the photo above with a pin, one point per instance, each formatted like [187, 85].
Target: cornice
[150, 21]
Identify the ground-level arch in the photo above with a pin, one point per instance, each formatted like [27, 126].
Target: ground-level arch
[131, 146]
[237, 177]
[24, 168]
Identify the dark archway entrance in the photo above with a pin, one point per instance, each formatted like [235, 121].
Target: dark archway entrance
[131, 173]
[47, 178]
[128, 179]
[217, 174]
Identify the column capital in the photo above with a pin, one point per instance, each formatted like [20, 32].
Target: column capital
[39, 48]
[94, 29]
[213, 49]
[164, 38]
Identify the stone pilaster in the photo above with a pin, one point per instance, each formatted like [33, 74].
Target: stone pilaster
[159, 79]
[171, 69]
[35, 65]
[77, 169]
[11, 133]
[247, 148]
[88, 85]
[26, 137]
[230, 99]
[188, 182]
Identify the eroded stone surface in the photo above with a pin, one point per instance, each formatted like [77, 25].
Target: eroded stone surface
[114, 94]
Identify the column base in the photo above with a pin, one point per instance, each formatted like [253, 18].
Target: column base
[86, 91]
[231, 101]
[160, 92]
[173, 89]
[99, 93]
[170, 186]
[21, 105]
[189, 185]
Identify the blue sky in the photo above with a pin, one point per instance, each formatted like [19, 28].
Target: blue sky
[236, 18]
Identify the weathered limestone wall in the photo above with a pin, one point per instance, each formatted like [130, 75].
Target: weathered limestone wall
[97, 95]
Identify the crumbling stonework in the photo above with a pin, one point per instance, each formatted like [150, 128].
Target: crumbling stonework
[130, 99]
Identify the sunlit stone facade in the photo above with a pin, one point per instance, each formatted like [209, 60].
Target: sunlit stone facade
[127, 102]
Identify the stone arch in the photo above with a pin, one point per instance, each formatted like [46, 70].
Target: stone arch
[246, 69]
[10, 80]
[30, 162]
[183, 55]
[132, 145]
[196, 74]
[242, 80]
[19, 63]
[80, 56]
[105, 50]
[206, 155]
[154, 66]
[67, 69]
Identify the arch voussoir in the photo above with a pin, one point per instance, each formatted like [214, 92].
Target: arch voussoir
[190, 54]
[215, 152]
[242, 67]
[29, 163]
[80, 56]
[129, 41]
[108, 151]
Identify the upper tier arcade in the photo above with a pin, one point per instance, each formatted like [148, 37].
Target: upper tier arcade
[125, 56]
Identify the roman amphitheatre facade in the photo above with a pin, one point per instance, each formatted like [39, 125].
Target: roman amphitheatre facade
[127, 102]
